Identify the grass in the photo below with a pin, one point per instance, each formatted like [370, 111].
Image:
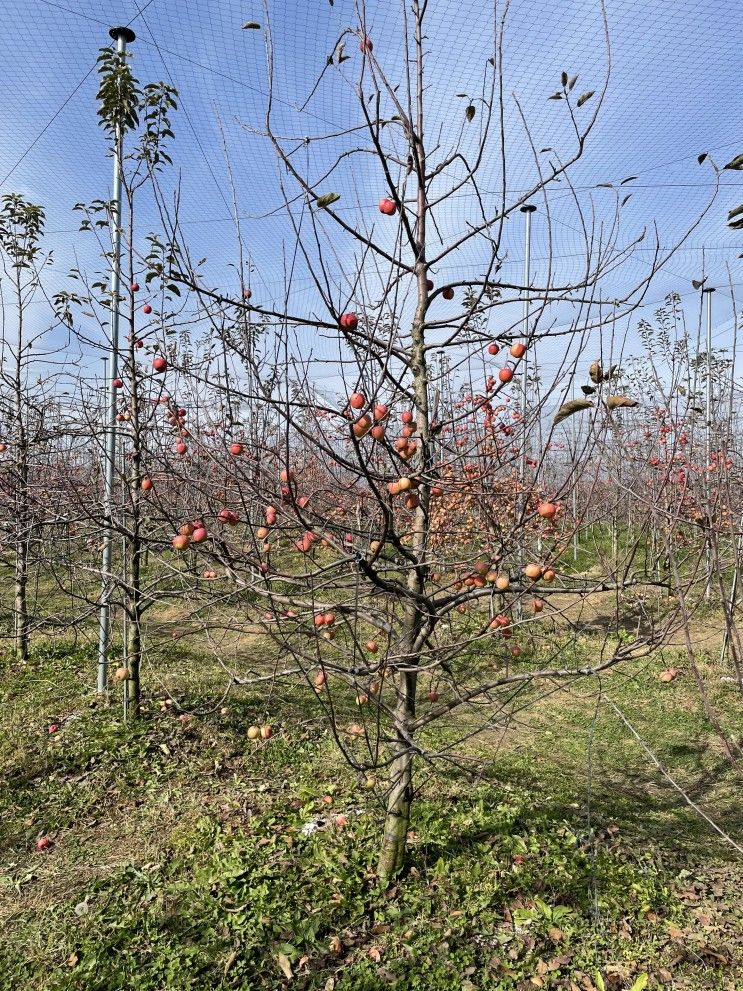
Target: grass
[184, 856]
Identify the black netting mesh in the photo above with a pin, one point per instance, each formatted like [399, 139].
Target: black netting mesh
[674, 92]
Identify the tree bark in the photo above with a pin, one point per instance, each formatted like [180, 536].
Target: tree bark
[397, 818]
[399, 802]
[20, 609]
[22, 505]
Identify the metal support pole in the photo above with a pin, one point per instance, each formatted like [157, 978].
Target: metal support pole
[121, 35]
[708, 444]
[574, 493]
[527, 210]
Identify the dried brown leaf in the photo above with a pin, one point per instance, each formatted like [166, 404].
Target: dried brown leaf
[571, 407]
[621, 402]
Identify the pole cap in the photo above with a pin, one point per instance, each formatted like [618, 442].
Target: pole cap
[711, 289]
[126, 33]
[528, 208]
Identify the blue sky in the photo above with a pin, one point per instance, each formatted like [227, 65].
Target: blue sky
[674, 92]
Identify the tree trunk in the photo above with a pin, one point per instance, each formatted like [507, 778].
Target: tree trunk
[134, 554]
[20, 610]
[134, 658]
[397, 818]
[22, 502]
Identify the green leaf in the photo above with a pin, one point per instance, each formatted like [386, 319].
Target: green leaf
[736, 165]
[640, 983]
[702, 157]
[585, 97]
[564, 78]
[327, 198]
[470, 112]
[543, 908]
[572, 82]
[555, 96]
[251, 26]
[600, 982]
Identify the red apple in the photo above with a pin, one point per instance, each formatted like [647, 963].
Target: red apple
[357, 400]
[349, 321]
[361, 427]
[493, 348]
[117, 384]
[43, 843]
[147, 309]
[448, 293]
[180, 447]
[146, 484]
[159, 364]
[181, 542]
[547, 510]
[199, 535]
[518, 350]
[505, 374]
[387, 207]
[236, 449]
[135, 287]
[366, 45]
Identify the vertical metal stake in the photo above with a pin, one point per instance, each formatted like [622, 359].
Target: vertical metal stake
[121, 36]
[708, 446]
[527, 210]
